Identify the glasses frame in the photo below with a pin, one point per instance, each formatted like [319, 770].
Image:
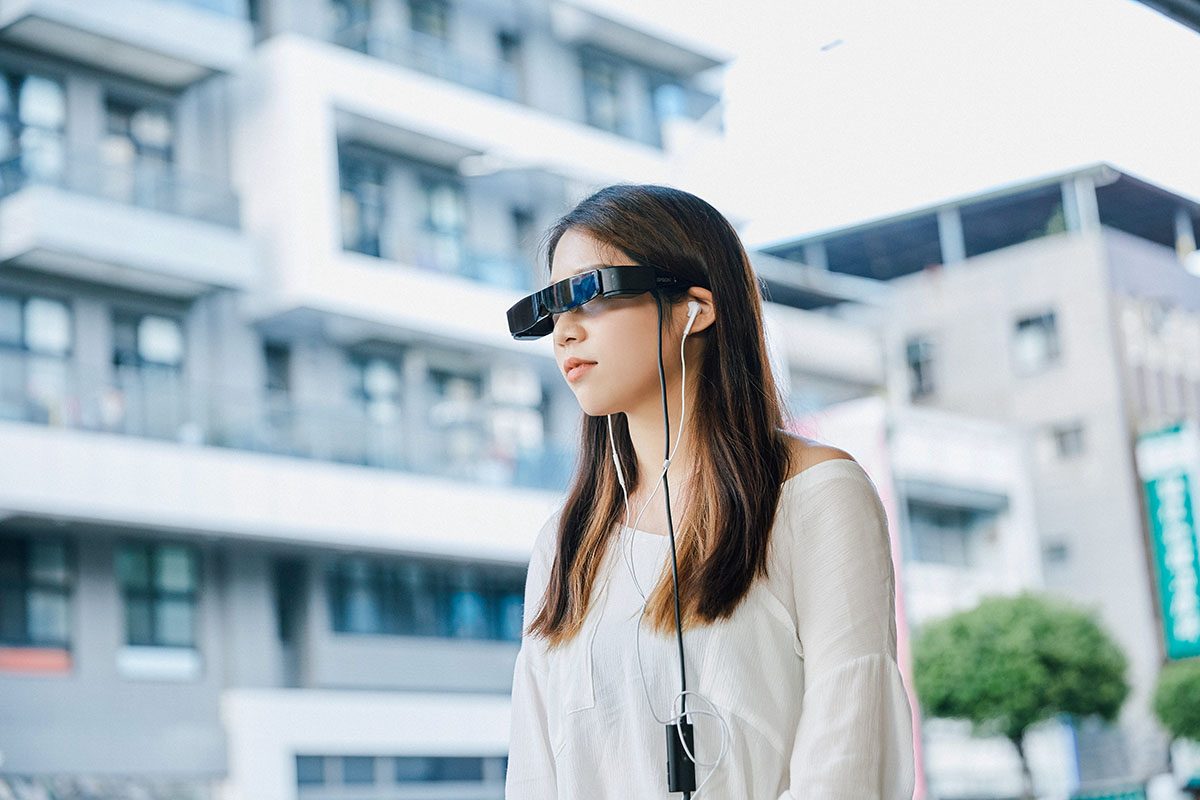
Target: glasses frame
[531, 316]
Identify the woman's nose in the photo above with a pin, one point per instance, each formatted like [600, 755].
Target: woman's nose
[567, 328]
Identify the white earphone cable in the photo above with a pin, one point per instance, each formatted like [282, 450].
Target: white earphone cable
[627, 554]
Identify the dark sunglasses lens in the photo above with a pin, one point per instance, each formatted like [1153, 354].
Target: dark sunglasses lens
[573, 292]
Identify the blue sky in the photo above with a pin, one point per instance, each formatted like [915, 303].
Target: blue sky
[928, 99]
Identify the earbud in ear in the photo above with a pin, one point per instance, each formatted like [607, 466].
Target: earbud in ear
[693, 309]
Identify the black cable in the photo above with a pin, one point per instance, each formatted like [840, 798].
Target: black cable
[681, 770]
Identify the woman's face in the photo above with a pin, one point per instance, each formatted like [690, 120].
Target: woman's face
[618, 334]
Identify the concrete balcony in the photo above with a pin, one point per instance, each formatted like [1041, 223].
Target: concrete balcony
[149, 230]
[149, 448]
[69, 474]
[170, 43]
[267, 728]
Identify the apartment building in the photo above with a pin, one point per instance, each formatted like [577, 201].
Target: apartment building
[1064, 307]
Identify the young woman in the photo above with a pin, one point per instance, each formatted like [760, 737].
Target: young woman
[785, 579]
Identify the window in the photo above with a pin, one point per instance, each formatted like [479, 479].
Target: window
[431, 768]
[429, 18]
[601, 92]
[425, 598]
[942, 534]
[443, 224]
[1068, 440]
[159, 586]
[1055, 552]
[364, 207]
[35, 590]
[358, 770]
[138, 152]
[278, 361]
[147, 340]
[35, 324]
[310, 770]
[1035, 343]
[919, 356]
[33, 115]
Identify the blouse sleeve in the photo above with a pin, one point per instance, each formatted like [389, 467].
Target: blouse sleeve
[854, 737]
[531, 774]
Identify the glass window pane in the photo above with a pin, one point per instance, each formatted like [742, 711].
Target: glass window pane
[41, 103]
[139, 626]
[310, 770]
[12, 560]
[358, 769]
[459, 769]
[10, 321]
[48, 562]
[133, 567]
[511, 620]
[151, 128]
[160, 340]
[47, 326]
[468, 615]
[414, 768]
[12, 614]
[174, 569]
[175, 623]
[48, 617]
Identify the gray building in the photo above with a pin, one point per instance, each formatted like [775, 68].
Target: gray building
[271, 465]
[1066, 307]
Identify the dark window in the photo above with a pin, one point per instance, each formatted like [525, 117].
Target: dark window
[278, 359]
[1068, 440]
[601, 92]
[147, 341]
[919, 356]
[430, 768]
[310, 770]
[159, 586]
[35, 590]
[358, 769]
[364, 207]
[416, 597]
[443, 224]
[1035, 343]
[33, 114]
[946, 534]
[430, 18]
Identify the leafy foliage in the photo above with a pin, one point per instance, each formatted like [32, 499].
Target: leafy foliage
[1177, 698]
[1011, 662]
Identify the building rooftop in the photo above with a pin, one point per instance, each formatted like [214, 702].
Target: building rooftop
[899, 244]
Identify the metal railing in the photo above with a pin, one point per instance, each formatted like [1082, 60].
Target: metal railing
[153, 185]
[431, 56]
[158, 403]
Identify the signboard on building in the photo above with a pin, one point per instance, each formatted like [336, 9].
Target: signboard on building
[1168, 463]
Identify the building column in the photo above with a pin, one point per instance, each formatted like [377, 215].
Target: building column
[815, 255]
[950, 235]
[1080, 210]
[1185, 233]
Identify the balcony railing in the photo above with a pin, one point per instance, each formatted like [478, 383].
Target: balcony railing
[157, 403]
[431, 56]
[152, 185]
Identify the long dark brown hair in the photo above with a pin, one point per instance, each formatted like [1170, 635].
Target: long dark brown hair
[734, 422]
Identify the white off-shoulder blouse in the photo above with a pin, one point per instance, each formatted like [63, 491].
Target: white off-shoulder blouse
[804, 671]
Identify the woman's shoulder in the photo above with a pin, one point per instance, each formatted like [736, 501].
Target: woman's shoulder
[805, 453]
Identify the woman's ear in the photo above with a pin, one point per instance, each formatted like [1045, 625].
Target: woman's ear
[706, 315]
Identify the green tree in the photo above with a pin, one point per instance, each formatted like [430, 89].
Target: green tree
[1012, 662]
[1177, 701]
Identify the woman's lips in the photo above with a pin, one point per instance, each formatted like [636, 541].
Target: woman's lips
[575, 373]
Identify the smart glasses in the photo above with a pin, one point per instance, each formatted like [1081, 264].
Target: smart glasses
[530, 317]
